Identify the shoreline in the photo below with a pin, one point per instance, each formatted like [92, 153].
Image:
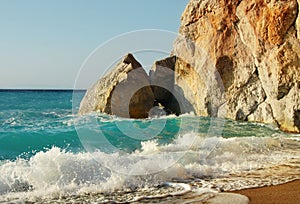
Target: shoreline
[287, 193]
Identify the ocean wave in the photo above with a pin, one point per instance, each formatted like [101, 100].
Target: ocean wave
[190, 157]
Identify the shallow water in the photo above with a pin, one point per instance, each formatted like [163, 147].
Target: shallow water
[48, 153]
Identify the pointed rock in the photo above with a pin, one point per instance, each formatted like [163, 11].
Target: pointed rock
[125, 91]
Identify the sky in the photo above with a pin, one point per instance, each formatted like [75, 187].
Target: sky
[44, 43]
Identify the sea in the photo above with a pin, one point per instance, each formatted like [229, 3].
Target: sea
[50, 154]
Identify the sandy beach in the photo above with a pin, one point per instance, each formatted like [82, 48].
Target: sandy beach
[288, 193]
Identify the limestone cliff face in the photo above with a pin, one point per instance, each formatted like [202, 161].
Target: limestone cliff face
[240, 59]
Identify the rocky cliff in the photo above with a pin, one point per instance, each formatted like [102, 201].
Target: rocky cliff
[240, 59]
[237, 59]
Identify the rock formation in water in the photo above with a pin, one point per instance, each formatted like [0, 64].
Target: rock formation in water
[237, 59]
[240, 59]
[125, 91]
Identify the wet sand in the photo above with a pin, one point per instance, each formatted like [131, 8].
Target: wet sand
[288, 193]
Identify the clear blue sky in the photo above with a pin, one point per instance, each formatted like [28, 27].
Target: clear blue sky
[44, 42]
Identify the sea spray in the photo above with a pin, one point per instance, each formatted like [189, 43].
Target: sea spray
[57, 172]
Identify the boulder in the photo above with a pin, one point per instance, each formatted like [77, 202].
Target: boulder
[125, 91]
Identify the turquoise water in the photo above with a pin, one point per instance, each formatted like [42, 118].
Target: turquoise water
[44, 144]
[33, 121]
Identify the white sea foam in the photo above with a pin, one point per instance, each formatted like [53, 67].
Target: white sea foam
[55, 173]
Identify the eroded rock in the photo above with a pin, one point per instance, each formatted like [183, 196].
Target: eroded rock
[125, 91]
